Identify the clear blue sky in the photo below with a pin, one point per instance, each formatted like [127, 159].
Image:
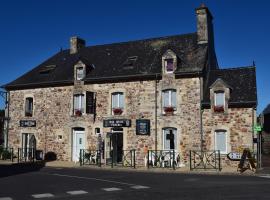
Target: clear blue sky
[32, 31]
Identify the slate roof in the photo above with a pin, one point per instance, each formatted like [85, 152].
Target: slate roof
[242, 81]
[108, 61]
[266, 110]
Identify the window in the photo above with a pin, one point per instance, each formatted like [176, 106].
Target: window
[29, 107]
[219, 101]
[169, 65]
[78, 104]
[221, 141]
[169, 100]
[117, 103]
[28, 144]
[169, 138]
[80, 73]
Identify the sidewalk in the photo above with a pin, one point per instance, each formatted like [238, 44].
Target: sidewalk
[184, 170]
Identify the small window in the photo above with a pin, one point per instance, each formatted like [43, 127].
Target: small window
[169, 65]
[60, 137]
[78, 104]
[169, 100]
[221, 141]
[169, 138]
[80, 73]
[219, 101]
[29, 107]
[117, 103]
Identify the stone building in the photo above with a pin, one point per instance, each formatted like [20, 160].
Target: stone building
[161, 93]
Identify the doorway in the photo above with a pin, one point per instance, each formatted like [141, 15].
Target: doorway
[78, 143]
[116, 145]
[28, 145]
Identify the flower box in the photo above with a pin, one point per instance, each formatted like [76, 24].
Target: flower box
[28, 114]
[117, 111]
[219, 108]
[168, 110]
[78, 113]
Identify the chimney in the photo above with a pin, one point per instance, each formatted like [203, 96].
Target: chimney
[205, 32]
[76, 44]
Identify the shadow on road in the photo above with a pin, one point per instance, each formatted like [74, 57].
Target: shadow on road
[19, 168]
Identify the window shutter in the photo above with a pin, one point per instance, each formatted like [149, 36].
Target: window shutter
[90, 102]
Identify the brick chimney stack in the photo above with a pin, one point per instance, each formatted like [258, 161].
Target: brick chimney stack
[204, 25]
[76, 44]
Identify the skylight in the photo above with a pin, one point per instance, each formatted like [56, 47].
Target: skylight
[130, 61]
[47, 69]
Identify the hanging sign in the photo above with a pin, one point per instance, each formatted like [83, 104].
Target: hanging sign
[142, 127]
[116, 123]
[257, 128]
[27, 123]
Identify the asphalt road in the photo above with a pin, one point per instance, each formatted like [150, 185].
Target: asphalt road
[81, 184]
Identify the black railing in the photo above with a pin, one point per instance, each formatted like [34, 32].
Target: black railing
[163, 158]
[205, 160]
[123, 158]
[90, 157]
[26, 155]
[6, 153]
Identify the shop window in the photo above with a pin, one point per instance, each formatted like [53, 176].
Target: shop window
[117, 103]
[169, 138]
[221, 141]
[29, 107]
[169, 101]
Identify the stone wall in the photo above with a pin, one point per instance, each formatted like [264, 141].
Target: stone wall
[53, 114]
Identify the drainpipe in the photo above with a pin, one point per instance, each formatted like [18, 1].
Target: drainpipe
[201, 113]
[156, 113]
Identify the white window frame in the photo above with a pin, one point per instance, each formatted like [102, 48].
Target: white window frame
[170, 99]
[82, 103]
[215, 98]
[118, 99]
[166, 63]
[83, 73]
[226, 140]
[164, 138]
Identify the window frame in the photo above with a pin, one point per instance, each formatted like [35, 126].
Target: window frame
[164, 139]
[226, 140]
[83, 72]
[170, 99]
[82, 104]
[166, 64]
[27, 111]
[215, 98]
[119, 94]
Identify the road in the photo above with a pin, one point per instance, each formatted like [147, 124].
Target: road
[82, 184]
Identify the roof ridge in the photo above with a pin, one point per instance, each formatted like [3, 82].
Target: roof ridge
[234, 68]
[139, 40]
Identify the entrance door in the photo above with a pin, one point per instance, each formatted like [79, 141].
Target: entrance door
[117, 146]
[28, 145]
[78, 144]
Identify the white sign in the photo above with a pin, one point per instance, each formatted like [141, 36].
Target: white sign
[234, 155]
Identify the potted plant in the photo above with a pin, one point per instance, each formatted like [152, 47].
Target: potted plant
[169, 110]
[117, 111]
[28, 114]
[219, 108]
[78, 113]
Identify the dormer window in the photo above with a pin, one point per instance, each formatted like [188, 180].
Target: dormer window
[169, 65]
[80, 73]
[219, 101]
[169, 62]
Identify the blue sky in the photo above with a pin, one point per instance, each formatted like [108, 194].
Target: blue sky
[32, 31]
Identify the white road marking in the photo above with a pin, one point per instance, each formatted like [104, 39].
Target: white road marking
[137, 187]
[111, 189]
[266, 176]
[44, 195]
[5, 198]
[96, 179]
[77, 192]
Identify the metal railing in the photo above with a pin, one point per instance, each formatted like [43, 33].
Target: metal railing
[205, 160]
[90, 157]
[163, 158]
[124, 158]
[6, 153]
[26, 155]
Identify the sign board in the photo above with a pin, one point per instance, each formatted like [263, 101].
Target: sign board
[142, 127]
[27, 123]
[246, 156]
[234, 156]
[116, 123]
[257, 128]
